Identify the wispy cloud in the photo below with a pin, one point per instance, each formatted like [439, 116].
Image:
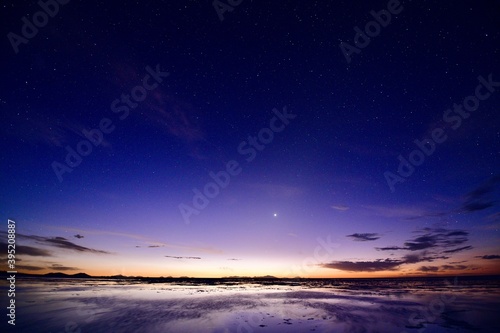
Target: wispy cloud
[364, 237]
[433, 269]
[432, 238]
[58, 242]
[396, 211]
[341, 208]
[44, 128]
[146, 240]
[63, 243]
[453, 267]
[480, 197]
[59, 267]
[24, 250]
[458, 249]
[176, 116]
[29, 268]
[489, 256]
[412, 258]
[427, 269]
[495, 217]
[176, 257]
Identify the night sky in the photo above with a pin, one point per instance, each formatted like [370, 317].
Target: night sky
[248, 138]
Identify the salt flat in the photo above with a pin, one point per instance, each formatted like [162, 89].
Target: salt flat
[67, 305]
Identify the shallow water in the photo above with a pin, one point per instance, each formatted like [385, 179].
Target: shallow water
[425, 305]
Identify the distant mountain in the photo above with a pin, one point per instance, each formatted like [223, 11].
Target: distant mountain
[265, 277]
[63, 275]
[81, 275]
[56, 275]
[235, 277]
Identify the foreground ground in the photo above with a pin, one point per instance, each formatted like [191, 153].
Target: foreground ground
[67, 305]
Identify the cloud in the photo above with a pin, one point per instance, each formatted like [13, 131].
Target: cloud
[78, 236]
[427, 269]
[364, 266]
[495, 217]
[492, 226]
[63, 243]
[179, 118]
[144, 239]
[475, 206]
[476, 200]
[429, 245]
[364, 237]
[454, 267]
[32, 251]
[458, 249]
[59, 242]
[489, 256]
[413, 258]
[479, 198]
[432, 238]
[63, 268]
[234, 259]
[389, 248]
[175, 257]
[340, 207]
[28, 250]
[167, 111]
[427, 214]
[383, 264]
[483, 189]
[29, 268]
[43, 128]
[458, 233]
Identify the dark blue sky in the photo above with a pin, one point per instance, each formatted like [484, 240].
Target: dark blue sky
[323, 175]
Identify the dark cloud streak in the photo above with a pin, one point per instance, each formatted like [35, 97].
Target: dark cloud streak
[364, 237]
[364, 266]
[59, 242]
[489, 256]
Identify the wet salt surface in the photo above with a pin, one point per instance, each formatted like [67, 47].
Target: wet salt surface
[66, 305]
